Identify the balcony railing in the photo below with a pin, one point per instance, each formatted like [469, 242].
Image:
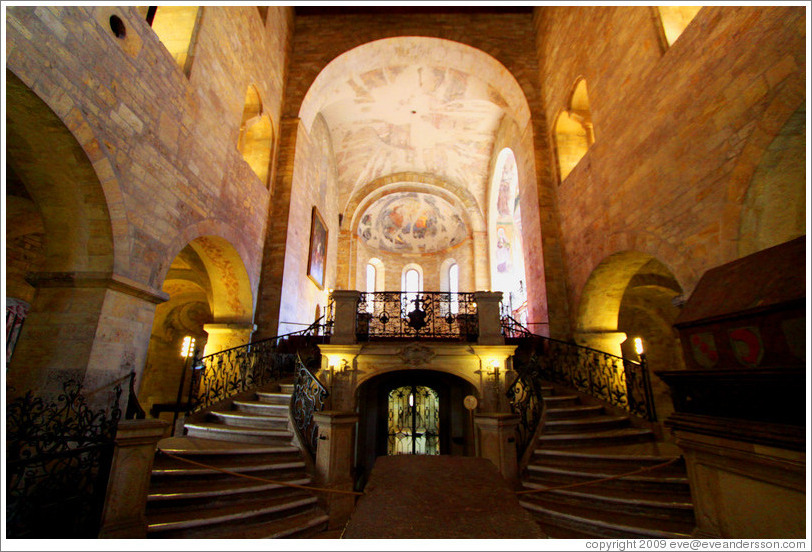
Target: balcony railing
[427, 315]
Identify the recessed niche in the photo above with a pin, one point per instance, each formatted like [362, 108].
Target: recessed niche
[117, 26]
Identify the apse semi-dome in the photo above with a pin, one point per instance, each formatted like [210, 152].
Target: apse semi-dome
[412, 222]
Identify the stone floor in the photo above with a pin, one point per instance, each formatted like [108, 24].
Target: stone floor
[439, 497]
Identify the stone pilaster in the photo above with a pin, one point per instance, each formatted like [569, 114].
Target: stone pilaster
[497, 442]
[346, 311]
[128, 485]
[490, 325]
[334, 462]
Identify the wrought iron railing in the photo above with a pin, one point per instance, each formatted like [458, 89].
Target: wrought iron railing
[59, 455]
[427, 314]
[222, 375]
[309, 396]
[619, 381]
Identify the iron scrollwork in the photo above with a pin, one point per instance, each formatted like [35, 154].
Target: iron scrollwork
[309, 397]
[59, 456]
[430, 314]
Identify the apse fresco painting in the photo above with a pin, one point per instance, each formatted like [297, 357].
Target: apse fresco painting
[412, 222]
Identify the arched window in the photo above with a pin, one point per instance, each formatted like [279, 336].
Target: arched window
[412, 282]
[256, 135]
[673, 20]
[176, 27]
[454, 286]
[370, 278]
[573, 131]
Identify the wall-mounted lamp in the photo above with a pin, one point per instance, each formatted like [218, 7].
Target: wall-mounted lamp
[187, 349]
[638, 345]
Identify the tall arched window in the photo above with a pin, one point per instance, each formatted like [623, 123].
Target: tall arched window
[412, 282]
[256, 135]
[370, 278]
[454, 286]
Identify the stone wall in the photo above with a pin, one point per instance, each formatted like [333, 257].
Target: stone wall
[163, 146]
[678, 134]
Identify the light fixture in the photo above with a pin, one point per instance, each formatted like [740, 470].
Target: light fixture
[638, 345]
[411, 400]
[187, 349]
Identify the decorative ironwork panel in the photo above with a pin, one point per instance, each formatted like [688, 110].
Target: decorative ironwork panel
[58, 461]
[615, 380]
[309, 396]
[414, 421]
[430, 314]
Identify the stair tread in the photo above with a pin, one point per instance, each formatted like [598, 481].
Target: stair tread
[180, 490]
[274, 529]
[187, 446]
[249, 415]
[631, 499]
[586, 420]
[591, 474]
[238, 468]
[624, 432]
[186, 517]
[614, 520]
[215, 427]
[263, 405]
[576, 455]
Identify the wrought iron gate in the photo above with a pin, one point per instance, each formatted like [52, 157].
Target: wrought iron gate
[414, 421]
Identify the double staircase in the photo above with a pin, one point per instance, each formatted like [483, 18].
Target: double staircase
[580, 442]
[255, 439]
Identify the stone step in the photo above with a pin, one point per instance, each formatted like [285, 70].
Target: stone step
[262, 408]
[586, 424]
[568, 412]
[172, 490]
[607, 523]
[270, 397]
[238, 434]
[198, 447]
[287, 388]
[246, 419]
[308, 523]
[606, 463]
[547, 391]
[266, 509]
[662, 507]
[632, 486]
[561, 401]
[590, 439]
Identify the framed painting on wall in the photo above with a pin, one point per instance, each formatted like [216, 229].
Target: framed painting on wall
[317, 258]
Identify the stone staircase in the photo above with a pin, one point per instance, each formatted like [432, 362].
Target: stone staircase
[254, 438]
[582, 442]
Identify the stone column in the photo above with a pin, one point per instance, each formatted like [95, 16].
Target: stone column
[128, 485]
[90, 326]
[346, 311]
[490, 324]
[497, 442]
[227, 336]
[334, 462]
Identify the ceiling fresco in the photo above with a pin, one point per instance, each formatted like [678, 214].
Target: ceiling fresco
[413, 118]
[412, 222]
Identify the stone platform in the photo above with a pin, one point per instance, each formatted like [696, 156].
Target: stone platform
[439, 497]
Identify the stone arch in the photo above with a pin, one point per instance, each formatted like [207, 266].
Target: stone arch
[787, 100]
[573, 130]
[632, 294]
[774, 206]
[210, 300]
[255, 141]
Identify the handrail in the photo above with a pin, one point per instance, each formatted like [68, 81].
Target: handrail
[220, 376]
[309, 396]
[616, 380]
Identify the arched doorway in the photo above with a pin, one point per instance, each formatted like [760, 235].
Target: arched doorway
[413, 421]
[386, 425]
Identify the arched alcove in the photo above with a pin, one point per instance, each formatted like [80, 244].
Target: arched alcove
[631, 294]
[176, 27]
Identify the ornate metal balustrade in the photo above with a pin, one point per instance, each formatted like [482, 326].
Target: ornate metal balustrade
[309, 396]
[222, 375]
[58, 462]
[428, 314]
[618, 381]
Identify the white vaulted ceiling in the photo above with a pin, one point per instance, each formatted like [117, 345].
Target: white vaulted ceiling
[416, 105]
